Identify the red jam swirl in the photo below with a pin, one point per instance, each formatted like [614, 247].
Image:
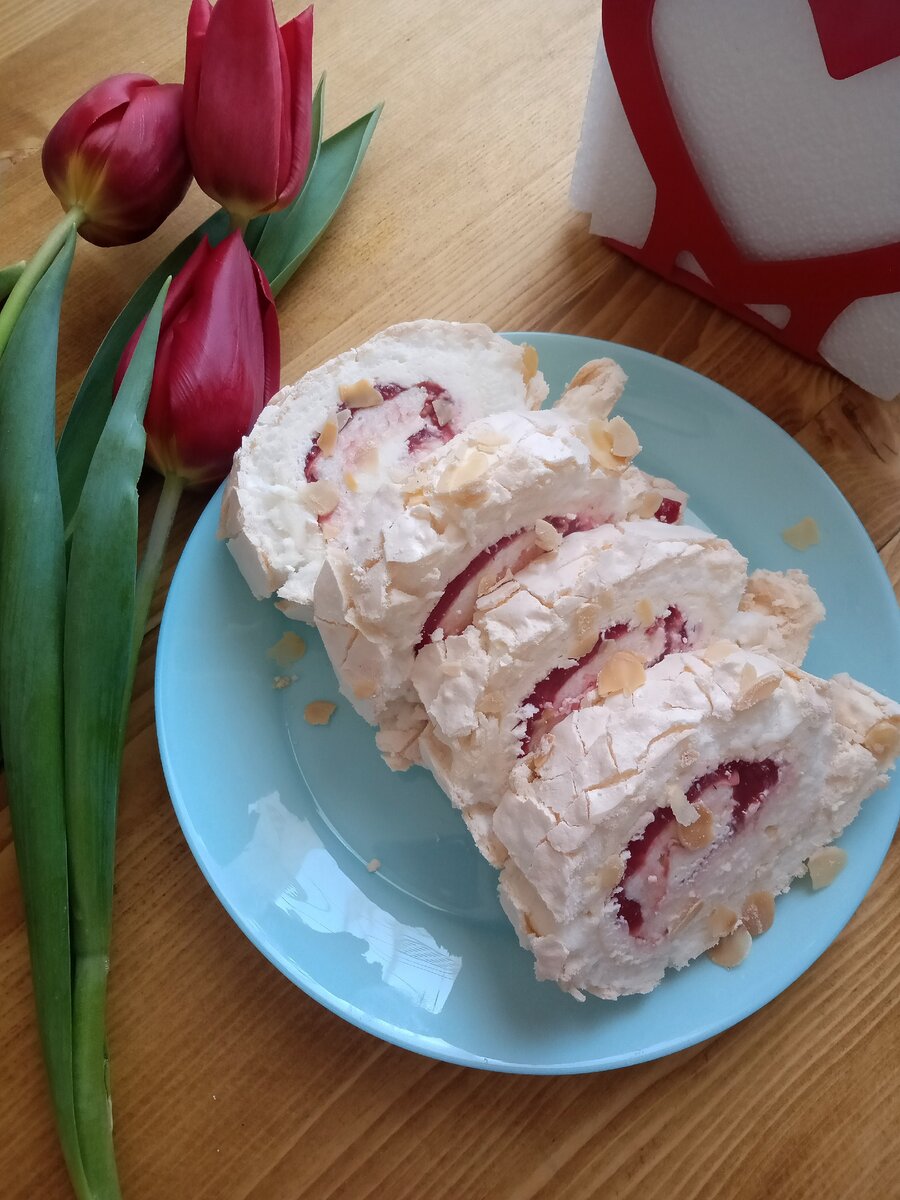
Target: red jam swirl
[431, 435]
[545, 699]
[515, 551]
[750, 783]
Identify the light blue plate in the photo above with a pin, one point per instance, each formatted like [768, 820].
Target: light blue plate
[283, 817]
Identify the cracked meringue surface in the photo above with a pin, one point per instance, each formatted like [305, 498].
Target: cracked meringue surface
[325, 444]
[605, 883]
[477, 502]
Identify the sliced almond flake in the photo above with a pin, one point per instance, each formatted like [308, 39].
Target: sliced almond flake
[461, 475]
[351, 483]
[491, 704]
[754, 688]
[443, 411]
[546, 536]
[327, 439]
[319, 712]
[648, 505]
[362, 394]
[288, 649]
[883, 740]
[587, 628]
[529, 363]
[802, 535]
[825, 865]
[758, 913]
[598, 439]
[342, 416]
[644, 612]
[732, 950]
[451, 669]
[699, 834]
[625, 444]
[718, 651]
[722, 921]
[623, 673]
[321, 497]
[365, 689]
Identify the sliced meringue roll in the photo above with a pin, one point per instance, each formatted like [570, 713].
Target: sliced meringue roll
[508, 489]
[326, 443]
[657, 823]
[565, 631]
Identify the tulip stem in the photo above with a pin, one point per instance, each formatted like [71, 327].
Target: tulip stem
[239, 222]
[34, 272]
[151, 563]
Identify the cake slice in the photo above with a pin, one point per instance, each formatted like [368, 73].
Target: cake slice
[508, 489]
[324, 444]
[560, 633]
[653, 825]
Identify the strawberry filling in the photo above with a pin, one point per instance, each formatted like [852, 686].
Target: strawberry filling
[565, 689]
[733, 792]
[431, 435]
[668, 512]
[456, 608]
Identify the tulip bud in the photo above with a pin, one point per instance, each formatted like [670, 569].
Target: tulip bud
[248, 103]
[119, 154]
[217, 362]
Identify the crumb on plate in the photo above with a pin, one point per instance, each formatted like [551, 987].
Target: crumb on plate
[319, 712]
[374, 864]
[288, 649]
[802, 535]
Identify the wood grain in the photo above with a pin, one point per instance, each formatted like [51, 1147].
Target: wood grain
[230, 1084]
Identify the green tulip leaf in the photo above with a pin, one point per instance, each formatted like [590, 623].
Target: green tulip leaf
[97, 675]
[32, 606]
[289, 236]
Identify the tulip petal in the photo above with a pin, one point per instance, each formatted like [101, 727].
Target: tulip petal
[178, 297]
[215, 368]
[271, 334]
[297, 37]
[197, 24]
[234, 136]
[145, 166]
[80, 117]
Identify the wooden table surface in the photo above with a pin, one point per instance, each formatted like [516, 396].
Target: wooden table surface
[229, 1082]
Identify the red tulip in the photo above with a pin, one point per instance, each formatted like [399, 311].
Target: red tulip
[217, 362]
[119, 153]
[248, 103]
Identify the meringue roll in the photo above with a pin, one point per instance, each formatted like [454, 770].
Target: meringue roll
[569, 628]
[324, 444]
[505, 491]
[649, 827]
